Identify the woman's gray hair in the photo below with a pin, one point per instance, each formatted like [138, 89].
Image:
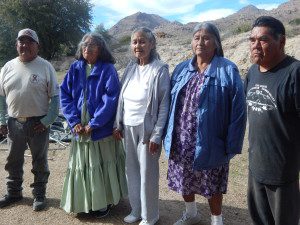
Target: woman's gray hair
[151, 38]
[104, 52]
[213, 30]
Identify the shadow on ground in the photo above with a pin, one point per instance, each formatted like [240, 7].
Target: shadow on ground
[170, 212]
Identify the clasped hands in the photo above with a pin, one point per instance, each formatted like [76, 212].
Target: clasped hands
[81, 130]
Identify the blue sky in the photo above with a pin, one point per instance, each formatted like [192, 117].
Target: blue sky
[109, 12]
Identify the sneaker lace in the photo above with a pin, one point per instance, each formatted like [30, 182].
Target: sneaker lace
[184, 217]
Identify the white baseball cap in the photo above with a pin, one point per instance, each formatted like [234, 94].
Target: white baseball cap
[29, 33]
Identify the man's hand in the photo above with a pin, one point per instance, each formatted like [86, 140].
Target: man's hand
[39, 127]
[3, 129]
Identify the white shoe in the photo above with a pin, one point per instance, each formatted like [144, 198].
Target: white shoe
[145, 222]
[216, 220]
[131, 219]
[186, 219]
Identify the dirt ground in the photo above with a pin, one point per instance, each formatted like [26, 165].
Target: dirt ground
[171, 205]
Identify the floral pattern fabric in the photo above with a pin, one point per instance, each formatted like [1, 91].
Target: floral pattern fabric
[181, 176]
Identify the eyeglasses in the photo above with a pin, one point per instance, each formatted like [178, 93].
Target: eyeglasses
[89, 45]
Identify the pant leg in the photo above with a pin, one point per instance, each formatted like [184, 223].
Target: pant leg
[258, 203]
[15, 160]
[149, 169]
[39, 144]
[285, 203]
[133, 176]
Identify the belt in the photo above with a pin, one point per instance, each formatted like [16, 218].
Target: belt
[22, 119]
[25, 119]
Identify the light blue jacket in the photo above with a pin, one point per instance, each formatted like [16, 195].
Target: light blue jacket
[221, 114]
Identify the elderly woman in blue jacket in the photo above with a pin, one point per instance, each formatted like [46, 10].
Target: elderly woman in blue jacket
[141, 117]
[95, 177]
[206, 124]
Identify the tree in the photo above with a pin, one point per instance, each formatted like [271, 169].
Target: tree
[101, 30]
[59, 24]
[7, 43]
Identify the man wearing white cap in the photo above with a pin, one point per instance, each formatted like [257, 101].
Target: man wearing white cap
[29, 94]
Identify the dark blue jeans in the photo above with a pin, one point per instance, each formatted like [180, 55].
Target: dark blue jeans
[21, 136]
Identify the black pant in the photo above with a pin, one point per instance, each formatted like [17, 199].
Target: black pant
[273, 204]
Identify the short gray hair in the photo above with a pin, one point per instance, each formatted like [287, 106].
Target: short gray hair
[213, 30]
[104, 52]
[151, 38]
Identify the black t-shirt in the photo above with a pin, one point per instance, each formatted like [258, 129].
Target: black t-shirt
[273, 102]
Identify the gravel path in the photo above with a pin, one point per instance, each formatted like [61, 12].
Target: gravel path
[171, 205]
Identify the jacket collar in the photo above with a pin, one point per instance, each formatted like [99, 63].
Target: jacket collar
[95, 70]
[212, 68]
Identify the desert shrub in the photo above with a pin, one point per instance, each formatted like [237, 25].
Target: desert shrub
[295, 21]
[122, 44]
[125, 40]
[245, 27]
[161, 34]
[292, 31]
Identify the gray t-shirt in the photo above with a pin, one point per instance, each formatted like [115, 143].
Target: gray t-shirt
[28, 86]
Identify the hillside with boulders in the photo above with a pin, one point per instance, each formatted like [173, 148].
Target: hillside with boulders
[174, 38]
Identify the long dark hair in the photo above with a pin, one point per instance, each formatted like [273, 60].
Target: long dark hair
[104, 52]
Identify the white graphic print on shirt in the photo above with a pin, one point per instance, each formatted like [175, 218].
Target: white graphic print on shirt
[259, 99]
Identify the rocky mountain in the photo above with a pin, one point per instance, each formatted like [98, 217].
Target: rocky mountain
[242, 19]
[126, 25]
[227, 25]
[174, 38]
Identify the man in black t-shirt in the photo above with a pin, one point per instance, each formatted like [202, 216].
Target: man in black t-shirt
[272, 89]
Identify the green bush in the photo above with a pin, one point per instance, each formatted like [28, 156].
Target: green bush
[242, 28]
[125, 40]
[295, 21]
[122, 44]
[2, 62]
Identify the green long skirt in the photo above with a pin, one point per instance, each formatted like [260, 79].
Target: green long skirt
[95, 176]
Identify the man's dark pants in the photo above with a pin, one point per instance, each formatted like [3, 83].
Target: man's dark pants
[20, 136]
[273, 204]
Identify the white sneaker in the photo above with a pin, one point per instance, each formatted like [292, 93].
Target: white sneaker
[131, 219]
[216, 220]
[145, 222]
[186, 219]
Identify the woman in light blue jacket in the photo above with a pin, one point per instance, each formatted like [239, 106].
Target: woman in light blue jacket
[141, 116]
[206, 124]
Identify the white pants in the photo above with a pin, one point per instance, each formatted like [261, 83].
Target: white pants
[142, 171]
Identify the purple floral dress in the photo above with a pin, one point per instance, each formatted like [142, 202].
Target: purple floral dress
[181, 176]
